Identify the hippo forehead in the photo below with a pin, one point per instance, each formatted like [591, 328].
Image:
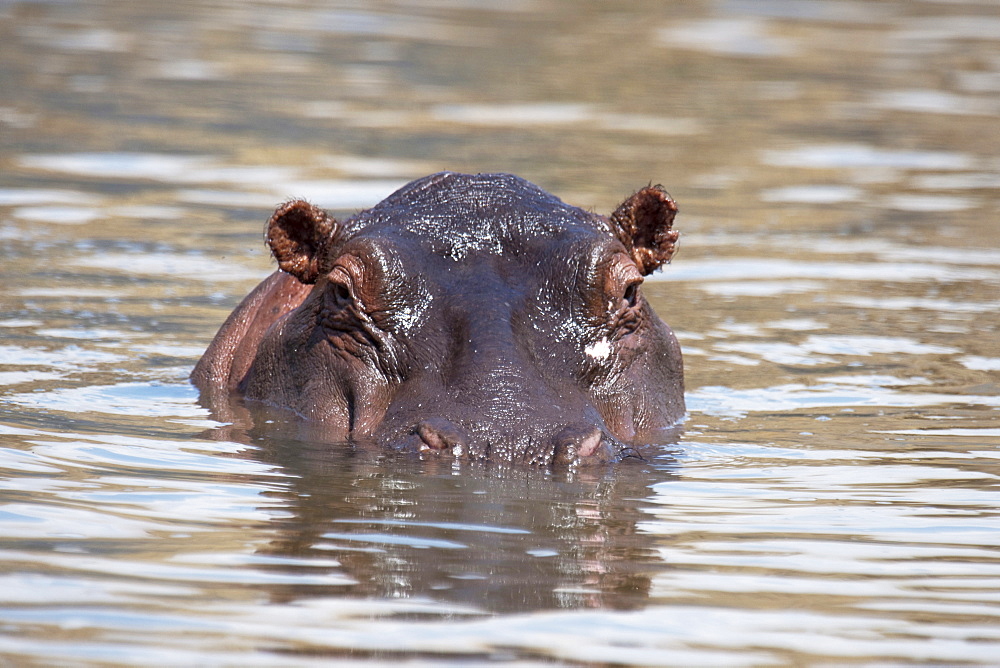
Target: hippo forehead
[458, 215]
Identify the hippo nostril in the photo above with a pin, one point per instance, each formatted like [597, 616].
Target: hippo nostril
[629, 453]
[440, 434]
[589, 443]
[574, 443]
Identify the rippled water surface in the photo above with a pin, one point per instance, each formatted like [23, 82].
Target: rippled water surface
[833, 497]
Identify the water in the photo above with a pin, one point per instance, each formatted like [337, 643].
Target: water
[833, 496]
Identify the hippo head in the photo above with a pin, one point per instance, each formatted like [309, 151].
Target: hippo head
[472, 315]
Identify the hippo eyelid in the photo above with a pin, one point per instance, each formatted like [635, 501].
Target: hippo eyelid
[348, 275]
[342, 282]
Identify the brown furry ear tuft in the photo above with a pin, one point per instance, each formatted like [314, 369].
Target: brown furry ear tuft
[300, 235]
[644, 223]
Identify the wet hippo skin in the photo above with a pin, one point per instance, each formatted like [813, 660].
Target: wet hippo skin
[473, 316]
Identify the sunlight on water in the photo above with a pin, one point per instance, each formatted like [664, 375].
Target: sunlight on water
[833, 156]
[521, 114]
[25, 196]
[64, 357]
[153, 166]
[929, 203]
[19, 377]
[750, 268]
[277, 181]
[933, 101]
[980, 363]
[816, 194]
[724, 401]
[168, 264]
[60, 215]
[731, 37]
[123, 399]
[343, 194]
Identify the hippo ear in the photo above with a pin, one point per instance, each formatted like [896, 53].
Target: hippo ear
[643, 223]
[300, 235]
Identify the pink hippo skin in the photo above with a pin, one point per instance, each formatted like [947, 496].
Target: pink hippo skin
[475, 316]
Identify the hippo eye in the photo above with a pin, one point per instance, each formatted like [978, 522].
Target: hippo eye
[341, 295]
[631, 296]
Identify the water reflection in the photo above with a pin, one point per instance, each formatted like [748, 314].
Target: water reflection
[513, 542]
[486, 537]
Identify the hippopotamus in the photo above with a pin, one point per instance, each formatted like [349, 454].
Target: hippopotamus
[472, 316]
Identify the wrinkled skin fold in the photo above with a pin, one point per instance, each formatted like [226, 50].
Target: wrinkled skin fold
[473, 316]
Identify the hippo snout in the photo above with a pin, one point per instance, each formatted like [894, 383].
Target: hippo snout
[566, 446]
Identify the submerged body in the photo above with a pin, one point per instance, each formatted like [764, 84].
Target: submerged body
[470, 314]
